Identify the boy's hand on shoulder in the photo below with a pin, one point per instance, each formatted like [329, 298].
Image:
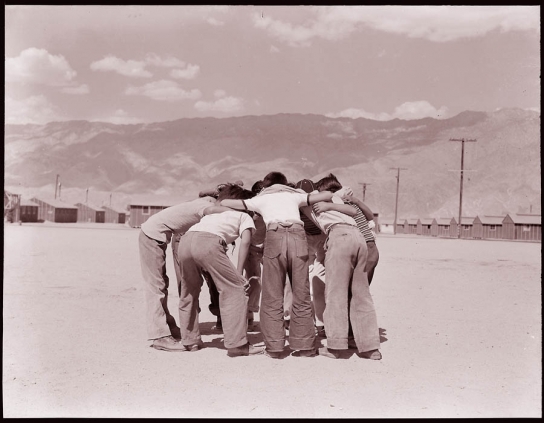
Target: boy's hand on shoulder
[321, 206]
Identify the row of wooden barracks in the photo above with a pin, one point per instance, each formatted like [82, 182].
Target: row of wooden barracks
[513, 226]
[55, 210]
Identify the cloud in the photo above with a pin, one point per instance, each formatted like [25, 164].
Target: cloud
[132, 68]
[164, 90]
[190, 72]
[214, 22]
[38, 66]
[274, 49]
[168, 62]
[224, 104]
[434, 23]
[407, 111]
[120, 117]
[35, 109]
[81, 89]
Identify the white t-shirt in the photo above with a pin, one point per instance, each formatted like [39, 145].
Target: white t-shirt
[278, 207]
[328, 218]
[228, 225]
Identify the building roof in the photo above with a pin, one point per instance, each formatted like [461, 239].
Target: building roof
[157, 200]
[115, 209]
[491, 220]
[426, 220]
[59, 204]
[466, 220]
[390, 221]
[526, 219]
[27, 202]
[90, 206]
[412, 221]
[444, 220]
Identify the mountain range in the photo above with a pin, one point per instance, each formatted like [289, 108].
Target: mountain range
[99, 161]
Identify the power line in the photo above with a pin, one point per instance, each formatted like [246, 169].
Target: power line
[462, 140]
[397, 197]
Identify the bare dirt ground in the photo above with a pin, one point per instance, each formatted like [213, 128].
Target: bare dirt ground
[460, 325]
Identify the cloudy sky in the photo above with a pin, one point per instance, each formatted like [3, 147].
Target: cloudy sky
[131, 64]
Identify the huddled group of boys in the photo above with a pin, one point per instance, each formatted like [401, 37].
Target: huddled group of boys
[306, 258]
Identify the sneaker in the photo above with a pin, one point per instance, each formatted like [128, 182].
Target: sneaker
[168, 343]
[194, 347]
[371, 355]
[243, 352]
[326, 352]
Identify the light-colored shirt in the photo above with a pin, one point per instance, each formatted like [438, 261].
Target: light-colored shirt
[228, 225]
[175, 219]
[278, 207]
[328, 218]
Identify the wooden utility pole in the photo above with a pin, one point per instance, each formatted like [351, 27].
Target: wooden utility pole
[56, 185]
[397, 197]
[462, 140]
[364, 184]
[86, 195]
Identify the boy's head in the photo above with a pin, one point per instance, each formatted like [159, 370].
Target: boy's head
[328, 183]
[306, 185]
[234, 192]
[274, 178]
[257, 187]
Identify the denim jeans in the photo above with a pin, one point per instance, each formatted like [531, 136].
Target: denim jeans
[203, 251]
[372, 261]
[345, 262]
[286, 254]
[159, 321]
[253, 272]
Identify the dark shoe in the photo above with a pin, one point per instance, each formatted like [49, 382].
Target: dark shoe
[320, 331]
[324, 351]
[244, 351]
[168, 343]
[250, 325]
[305, 353]
[371, 355]
[218, 324]
[194, 347]
[273, 354]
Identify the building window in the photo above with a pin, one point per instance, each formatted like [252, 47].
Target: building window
[526, 228]
[492, 227]
[145, 209]
[447, 227]
[466, 227]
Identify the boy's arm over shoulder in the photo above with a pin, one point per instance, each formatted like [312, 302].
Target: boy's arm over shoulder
[234, 204]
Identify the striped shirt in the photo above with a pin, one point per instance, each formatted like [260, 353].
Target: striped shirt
[362, 223]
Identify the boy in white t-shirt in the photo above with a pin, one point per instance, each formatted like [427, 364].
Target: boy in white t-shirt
[203, 248]
[285, 253]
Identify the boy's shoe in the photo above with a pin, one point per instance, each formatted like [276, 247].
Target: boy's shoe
[245, 351]
[168, 343]
[273, 354]
[194, 347]
[326, 352]
[320, 331]
[218, 324]
[305, 353]
[371, 355]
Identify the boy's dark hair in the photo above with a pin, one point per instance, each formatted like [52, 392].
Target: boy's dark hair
[257, 187]
[274, 178]
[290, 184]
[328, 183]
[234, 192]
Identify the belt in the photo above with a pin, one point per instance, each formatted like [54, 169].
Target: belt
[335, 225]
[274, 226]
[368, 242]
